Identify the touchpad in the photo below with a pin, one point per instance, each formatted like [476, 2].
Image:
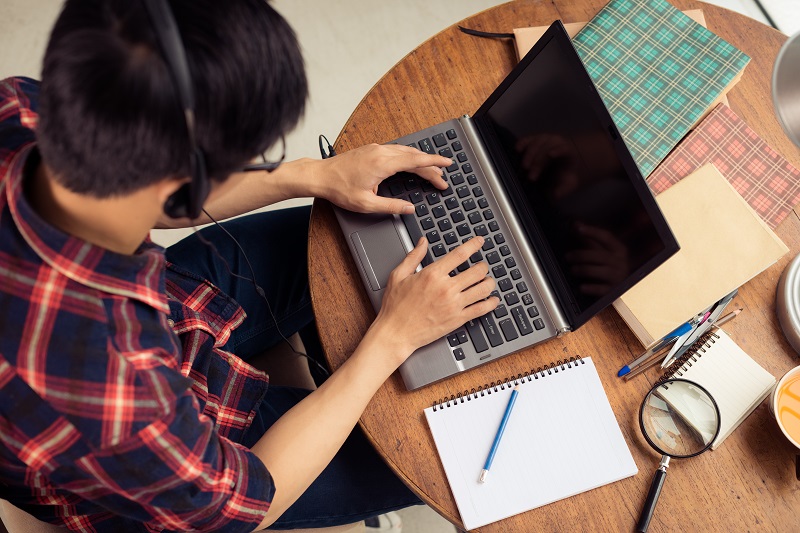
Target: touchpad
[379, 250]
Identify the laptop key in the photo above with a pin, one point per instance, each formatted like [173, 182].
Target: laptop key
[481, 230]
[410, 183]
[433, 236]
[396, 188]
[476, 335]
[492, 257]
[533, 312]
[458, 353]
[447, 192]
[457, 216]
[468, 204]
[510, 261]
[477, 192]
[538, 323]
[457, 146]
[521, 320]
[499, 238]
[446, 152]
[452, 340]
[462, 336]
[466, 168]
[505, 284]
[451, 134]
[461, 157]
[462, 191]
[515, 274]
[421, 210]
[495, 339]
[501, 311]
[450, 237]
[438, 211]
[438, 250]
[483, 203]
[426, 146]
[472, 180]
[445, 225]
[439, 140]
[433, 198]
[509, 332]
[498, 271]
[488, 244]
[415, 197]
[522, 287]
[494, 226]
[451, 202]
[512, 298]
[463, 229]
[474, 217]
[415, 234]
[477, 257]
[527, 299]
[427, 223]
[457, 178]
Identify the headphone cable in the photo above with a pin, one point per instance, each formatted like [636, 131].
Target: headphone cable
[252, 280]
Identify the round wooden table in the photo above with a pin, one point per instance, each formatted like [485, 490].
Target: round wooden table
[746, 484]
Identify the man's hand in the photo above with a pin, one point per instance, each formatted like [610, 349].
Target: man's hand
[350, 180]
[420, 307]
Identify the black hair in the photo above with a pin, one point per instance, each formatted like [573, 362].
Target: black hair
[110, 119]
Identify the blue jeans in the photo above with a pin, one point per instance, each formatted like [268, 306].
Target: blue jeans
[357, 483]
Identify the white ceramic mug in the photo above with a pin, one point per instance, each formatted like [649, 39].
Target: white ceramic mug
[794, 439]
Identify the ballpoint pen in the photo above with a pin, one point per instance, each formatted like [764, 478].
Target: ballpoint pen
[709, 317]
[655, 348]
[488, 464]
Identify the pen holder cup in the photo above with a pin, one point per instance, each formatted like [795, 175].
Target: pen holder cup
[785, 407]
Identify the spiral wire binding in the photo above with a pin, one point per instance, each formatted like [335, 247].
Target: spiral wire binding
[684, 362]
[509, 382]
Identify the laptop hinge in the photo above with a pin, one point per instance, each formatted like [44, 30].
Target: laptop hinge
[549, 299]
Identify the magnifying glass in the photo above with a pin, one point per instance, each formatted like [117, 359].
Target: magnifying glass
[679, 419]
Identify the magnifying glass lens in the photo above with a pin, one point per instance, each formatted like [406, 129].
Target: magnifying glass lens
[679, 418]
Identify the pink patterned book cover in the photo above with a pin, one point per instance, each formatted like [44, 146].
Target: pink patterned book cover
[767, 181]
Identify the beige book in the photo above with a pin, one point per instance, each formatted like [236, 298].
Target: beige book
[525, 38]
[724, 244]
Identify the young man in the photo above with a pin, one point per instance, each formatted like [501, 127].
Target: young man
[125, 403]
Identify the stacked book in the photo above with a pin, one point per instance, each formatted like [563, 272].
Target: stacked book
[663, 77]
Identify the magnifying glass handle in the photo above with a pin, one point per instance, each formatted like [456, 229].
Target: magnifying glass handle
[652, 496]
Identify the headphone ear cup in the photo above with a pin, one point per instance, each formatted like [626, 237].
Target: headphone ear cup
[177, 204]
[200, 188]
[188, 200]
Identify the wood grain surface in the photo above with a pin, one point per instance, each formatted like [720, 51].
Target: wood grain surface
[747, 484]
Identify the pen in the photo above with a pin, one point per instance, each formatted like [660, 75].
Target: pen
[655, 348]
[500, 430]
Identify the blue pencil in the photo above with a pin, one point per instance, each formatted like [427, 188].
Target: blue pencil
[500, 430]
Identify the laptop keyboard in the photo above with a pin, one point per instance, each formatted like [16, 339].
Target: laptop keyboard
[453, 216]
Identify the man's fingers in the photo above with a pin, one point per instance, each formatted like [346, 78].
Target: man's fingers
[409, 264]
[460, 254]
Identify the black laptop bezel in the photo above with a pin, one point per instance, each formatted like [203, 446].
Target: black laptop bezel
[558, 283]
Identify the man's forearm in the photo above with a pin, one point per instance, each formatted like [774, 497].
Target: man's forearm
[303, 441]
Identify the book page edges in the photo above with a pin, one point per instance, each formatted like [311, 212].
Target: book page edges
[724, 244]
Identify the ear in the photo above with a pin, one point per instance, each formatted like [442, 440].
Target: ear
[166, 187]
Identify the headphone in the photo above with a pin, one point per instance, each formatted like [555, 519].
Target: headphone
[188, 200]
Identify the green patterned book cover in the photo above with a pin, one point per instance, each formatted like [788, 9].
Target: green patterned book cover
[658, 72]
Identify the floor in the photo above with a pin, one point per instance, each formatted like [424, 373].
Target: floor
[348, 45]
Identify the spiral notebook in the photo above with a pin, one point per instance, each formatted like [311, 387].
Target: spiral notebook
[561, 412]
[736, 382]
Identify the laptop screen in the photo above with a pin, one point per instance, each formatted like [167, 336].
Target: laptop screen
[583, 203]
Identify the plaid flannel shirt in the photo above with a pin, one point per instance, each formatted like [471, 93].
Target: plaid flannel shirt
[119, 411]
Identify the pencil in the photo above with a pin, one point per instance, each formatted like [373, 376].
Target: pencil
[498, 436]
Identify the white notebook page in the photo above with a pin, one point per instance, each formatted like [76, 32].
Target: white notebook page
[736, 382]
[561, 439]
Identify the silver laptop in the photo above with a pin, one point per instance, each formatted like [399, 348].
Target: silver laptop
[541, 173]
